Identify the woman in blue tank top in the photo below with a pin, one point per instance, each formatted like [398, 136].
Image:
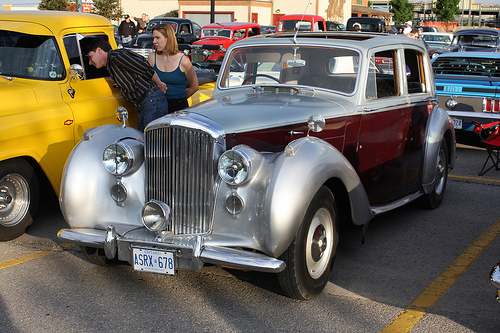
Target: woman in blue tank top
[173, 68]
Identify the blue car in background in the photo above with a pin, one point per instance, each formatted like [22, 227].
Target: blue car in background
[468, 87]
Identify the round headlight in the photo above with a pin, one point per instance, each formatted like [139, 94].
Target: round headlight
[155, 215]
[234, 167]
[118, 159]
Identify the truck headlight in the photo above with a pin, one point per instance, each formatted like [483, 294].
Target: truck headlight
[234, 167]
[118, 159]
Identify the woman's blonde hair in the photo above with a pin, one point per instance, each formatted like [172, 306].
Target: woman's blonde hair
[168, 32]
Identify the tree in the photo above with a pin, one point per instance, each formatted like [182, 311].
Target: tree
[446, 10]
[54, 5]
[403, 11]
[110, 9]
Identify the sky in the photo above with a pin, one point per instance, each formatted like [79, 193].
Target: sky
[34, 3]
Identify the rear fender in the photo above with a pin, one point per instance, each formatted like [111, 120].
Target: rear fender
[439, 126]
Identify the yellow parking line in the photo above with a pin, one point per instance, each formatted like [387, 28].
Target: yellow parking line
[407, 319]
[475, 178]
[16, 261]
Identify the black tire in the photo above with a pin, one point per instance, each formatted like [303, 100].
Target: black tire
[434, 199]
[309, 258]
[19, 197]
[97, 256]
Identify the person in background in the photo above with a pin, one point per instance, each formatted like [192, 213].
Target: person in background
[408, 27]
[357, 27]
[416, 33]
[137, 80]
[142, 23]
[173, 68]
[126, 30]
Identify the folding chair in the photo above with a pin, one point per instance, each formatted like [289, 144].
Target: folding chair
[491, 142]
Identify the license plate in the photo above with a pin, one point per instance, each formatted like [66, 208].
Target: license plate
[154, 261]
[457, 123]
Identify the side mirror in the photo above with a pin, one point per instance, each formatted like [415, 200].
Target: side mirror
[316, 123]
[122, 115]
[75, 73]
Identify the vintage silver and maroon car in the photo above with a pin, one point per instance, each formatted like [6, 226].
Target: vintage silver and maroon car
[303, 132]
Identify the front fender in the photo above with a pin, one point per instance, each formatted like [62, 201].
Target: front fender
[439, 126]
[85, 196]
[306, 165]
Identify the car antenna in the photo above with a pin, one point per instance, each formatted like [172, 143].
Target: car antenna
[302, 18]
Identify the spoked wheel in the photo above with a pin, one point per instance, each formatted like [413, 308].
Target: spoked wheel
[309, 258]
[19, 195]
[434, 199]
[97, 256]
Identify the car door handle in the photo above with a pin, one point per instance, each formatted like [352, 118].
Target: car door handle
[292, 133]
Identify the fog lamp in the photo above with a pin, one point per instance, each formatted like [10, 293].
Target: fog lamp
[234, 204]
[119, 192]
[156, 215]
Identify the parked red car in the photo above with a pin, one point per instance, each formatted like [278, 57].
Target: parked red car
[216, 38]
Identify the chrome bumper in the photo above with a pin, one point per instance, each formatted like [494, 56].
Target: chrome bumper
[191, 253]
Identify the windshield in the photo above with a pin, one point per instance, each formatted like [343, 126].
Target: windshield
[476, 40]
[153, 24]
[216, 33]
[291, 25]
[437, 38]
[319, 67]
[29, 56]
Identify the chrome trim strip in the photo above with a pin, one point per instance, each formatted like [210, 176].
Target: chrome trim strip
[376, 210]
[405, 104]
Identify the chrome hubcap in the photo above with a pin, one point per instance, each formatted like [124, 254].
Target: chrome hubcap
[320, 239]
[14, 199]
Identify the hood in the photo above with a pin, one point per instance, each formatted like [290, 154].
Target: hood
[240, 113]
[213, 41]
[16, 97]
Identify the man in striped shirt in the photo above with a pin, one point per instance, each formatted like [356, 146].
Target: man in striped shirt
[137, 80]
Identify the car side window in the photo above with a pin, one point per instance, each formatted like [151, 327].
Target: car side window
[185, 29]
[75, 56]
[382, 79]
[414, 71]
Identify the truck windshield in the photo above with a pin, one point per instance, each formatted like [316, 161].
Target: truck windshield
[216, 33]
[30, 56]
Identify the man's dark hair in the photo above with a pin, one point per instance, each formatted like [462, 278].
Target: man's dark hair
[91, 43]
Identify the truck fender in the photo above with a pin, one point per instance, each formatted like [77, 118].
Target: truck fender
[438, 127]
[85, 196]
[300, 171]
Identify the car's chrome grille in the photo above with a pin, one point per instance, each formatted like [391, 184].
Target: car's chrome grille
[180, 173]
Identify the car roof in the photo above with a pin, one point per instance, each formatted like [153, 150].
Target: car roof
[231, 25]
[348, 39]
[55, 20]
[491, 32]
[490, 55]
[172, 19]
